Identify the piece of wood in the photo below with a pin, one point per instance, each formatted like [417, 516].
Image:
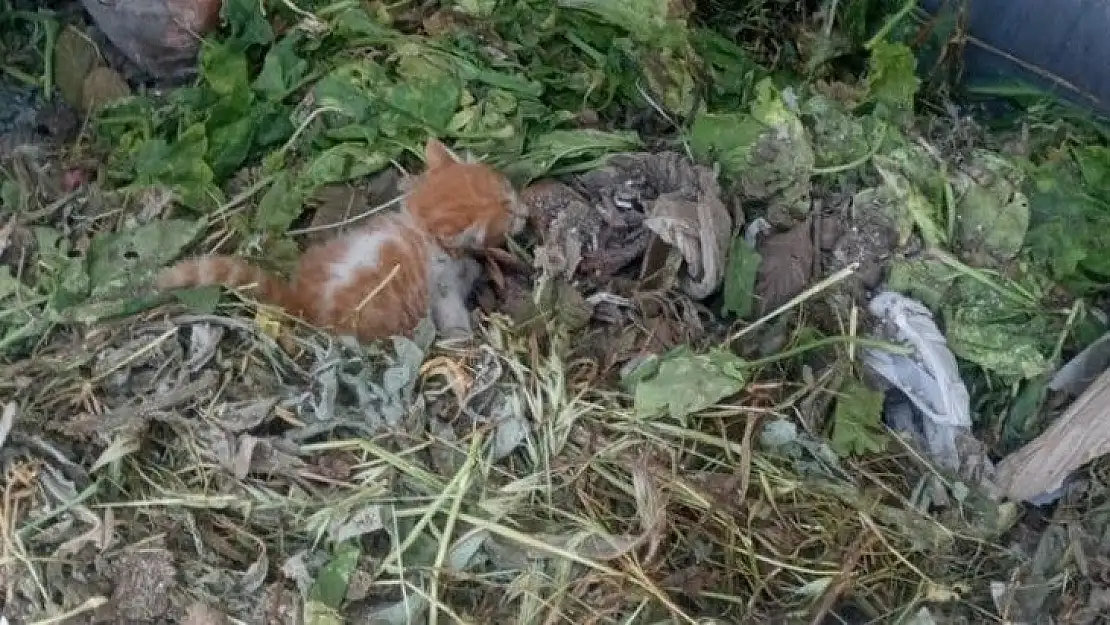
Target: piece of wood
[1079, 435]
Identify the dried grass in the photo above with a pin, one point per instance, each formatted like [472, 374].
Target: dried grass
[599, 517]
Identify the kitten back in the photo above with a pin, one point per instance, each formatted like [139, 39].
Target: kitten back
[228, 271]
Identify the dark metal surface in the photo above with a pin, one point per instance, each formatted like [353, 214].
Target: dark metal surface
[1058, 45]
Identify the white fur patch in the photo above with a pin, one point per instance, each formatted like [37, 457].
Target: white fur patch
[364, 250]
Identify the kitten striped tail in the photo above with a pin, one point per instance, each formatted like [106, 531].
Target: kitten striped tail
[228, 271]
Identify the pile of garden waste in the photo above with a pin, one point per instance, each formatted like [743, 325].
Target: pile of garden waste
[799, 330]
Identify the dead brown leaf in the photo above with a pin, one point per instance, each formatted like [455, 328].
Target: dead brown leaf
[787, 267]
[103, 85]
[74, 58]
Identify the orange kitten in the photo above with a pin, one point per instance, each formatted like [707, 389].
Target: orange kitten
[465, 208]
[383, 278]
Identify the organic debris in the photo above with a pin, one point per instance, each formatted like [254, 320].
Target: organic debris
[602, 220]
[756, 358]
[1076, 437]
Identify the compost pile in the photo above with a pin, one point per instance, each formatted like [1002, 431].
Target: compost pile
[773, 346]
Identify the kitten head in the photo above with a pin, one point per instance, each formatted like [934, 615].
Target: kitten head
[464, 204]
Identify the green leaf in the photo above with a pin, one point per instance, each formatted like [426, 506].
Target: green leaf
[1094, 168]
[727, 138]
[119, 261]
[743, 267]
[923, 279]
[282, 70]
[202, 300]
[224, 69]
[767, 151]
[274, 125]
[180, 166]
[892, 81]
[857, 421]
[246, 23]
[280, 206]
[913, 202]
[733, 71]
[346, 89]
[998, 332]
[644, 19]
[11, 195]
[231, 133]
[586, 149]
[992, 210]
[62, 276]
[1070, 219]
[686, 382]
[344, 162]
[330, 586]
[430, 104]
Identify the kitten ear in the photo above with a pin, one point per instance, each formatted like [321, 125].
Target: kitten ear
[436, 154]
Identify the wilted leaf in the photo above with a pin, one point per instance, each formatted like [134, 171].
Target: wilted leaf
[118, 260]
[916, 204]
[103, 85]
[74, 57]
[179, 165]
[412, 609]
[224, 69]
[330, 587]
[686, 382]
[246, 23]
[586, 148]
[743, 266]
[1004, 336]
[885, 206]
[923, 279]
[360, 522]
[786, 268]
[282, 69]
[344, 162]
[463, 551]
[992, 211]
[280, 206]
[768, 152]
[891, 78]
[857, 422]
[838, 136]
